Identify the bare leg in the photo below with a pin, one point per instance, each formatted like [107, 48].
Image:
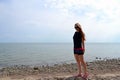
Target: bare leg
[81, 57]
[78, 62]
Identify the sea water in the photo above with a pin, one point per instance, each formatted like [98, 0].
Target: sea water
[52, 53]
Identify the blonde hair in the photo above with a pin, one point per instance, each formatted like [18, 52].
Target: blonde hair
[80, 30]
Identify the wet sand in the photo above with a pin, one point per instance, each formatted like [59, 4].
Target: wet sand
[107, 69]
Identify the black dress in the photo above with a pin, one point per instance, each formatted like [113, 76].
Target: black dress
[77, 39]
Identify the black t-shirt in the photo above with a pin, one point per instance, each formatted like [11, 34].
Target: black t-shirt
[77, 39]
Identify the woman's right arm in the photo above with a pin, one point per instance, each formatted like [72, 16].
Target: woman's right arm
[83, 44]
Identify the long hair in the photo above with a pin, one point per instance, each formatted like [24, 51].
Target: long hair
[80, 30]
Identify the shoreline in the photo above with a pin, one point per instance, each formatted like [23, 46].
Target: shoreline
[98, 69]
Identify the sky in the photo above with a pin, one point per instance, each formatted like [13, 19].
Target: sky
[53, 20]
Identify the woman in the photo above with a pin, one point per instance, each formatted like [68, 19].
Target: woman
[79, 49]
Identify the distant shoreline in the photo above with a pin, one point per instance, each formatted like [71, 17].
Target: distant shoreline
[57, 42]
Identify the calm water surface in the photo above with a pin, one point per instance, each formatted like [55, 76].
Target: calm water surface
[51, 53]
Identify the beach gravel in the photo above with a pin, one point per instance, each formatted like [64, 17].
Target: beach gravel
[107, 69]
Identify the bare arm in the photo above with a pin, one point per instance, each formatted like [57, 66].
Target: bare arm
[83, 44]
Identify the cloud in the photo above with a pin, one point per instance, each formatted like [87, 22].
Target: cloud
[53, 20]
[24, 22]
[98, 17]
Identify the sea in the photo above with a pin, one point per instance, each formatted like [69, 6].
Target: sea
[35, 54]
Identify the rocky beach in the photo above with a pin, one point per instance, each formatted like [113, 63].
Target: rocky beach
[106, 69]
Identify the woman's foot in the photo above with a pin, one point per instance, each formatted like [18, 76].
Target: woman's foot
[85, 75]
[79, 75]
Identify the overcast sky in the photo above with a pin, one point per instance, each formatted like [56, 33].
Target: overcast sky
[53, 20]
